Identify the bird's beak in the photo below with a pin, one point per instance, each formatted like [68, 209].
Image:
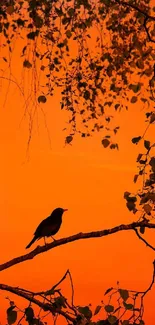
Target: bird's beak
[65, 210]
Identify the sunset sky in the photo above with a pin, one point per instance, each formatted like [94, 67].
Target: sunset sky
[88, 180]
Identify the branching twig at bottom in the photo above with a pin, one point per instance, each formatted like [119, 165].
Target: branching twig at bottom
[31, 298]
[147, 290]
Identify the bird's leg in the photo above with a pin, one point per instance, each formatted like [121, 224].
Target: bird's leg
[44, 241]
[53, 238]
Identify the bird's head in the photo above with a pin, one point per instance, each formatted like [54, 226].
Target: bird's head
[60, 211]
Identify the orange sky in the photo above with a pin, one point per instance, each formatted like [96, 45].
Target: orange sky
[88, 180]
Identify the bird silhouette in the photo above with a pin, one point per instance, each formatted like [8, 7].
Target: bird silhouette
[49, 226]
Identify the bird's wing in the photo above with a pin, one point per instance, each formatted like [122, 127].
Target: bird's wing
[39, 228]
[47, 226]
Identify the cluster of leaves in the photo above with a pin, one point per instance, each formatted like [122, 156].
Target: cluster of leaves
[126, 313]
[144, 200]
[96, 79]
[28, 315]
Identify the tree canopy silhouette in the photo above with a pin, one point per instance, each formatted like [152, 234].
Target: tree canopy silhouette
[57, 38]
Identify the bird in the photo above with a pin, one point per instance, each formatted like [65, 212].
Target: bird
[49, 226]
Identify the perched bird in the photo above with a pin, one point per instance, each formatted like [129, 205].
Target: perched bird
[49, 226]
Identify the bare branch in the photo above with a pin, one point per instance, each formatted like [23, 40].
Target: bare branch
[50, 291]
[147, 30]
[148, 289]
[152, 282]
[141, 238]
[63, 241]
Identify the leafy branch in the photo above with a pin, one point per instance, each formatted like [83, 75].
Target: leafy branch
[130, 302]
[94, 80]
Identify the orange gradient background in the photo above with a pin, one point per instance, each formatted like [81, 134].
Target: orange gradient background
[88, 180]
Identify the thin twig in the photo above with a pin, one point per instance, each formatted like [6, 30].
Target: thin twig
[141, 238]
[72, 300]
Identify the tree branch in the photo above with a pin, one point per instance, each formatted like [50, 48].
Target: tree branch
[126, 4]
[152, 282]
[145, 14]
[63, 241]
[141, 238]
[30, 297]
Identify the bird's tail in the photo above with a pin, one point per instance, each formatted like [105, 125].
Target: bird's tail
[31, 242]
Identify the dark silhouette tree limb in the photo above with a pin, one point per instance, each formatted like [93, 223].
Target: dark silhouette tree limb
[49, 306]
[30, 297]
[144, 13]
[131, 5]
[63, 241]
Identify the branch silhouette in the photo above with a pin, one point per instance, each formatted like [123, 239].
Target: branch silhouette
[73, 312]
[94, 234]
[144, 240]
[28, 295]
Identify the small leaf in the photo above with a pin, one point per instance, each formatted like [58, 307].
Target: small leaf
[97, 309]
[147, 144]
[112, 319]
[152, 118]
[126, 322]
[11, 315]
[29, 313]
[135, 178]
[112, 146]
[131, 199]
[109, 308]
[133, 99]
[85, 311]
[142, 162]
[152, 163]
[42, 99]
[10, 9]
[127, 306]
[32, 35]
[140, 63]
[108, 290]
[136, 139]
[144, 100]
[116, 106]
[105, 143]
[147, 208]
[139, 157]
[148, 72]
[124, 294]
[60, 302]
[68, 34]
[86, 94]
[69, 139]
[126, 194]
[135, 88]
[130, 205]
[144, 198]
[27, 64]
